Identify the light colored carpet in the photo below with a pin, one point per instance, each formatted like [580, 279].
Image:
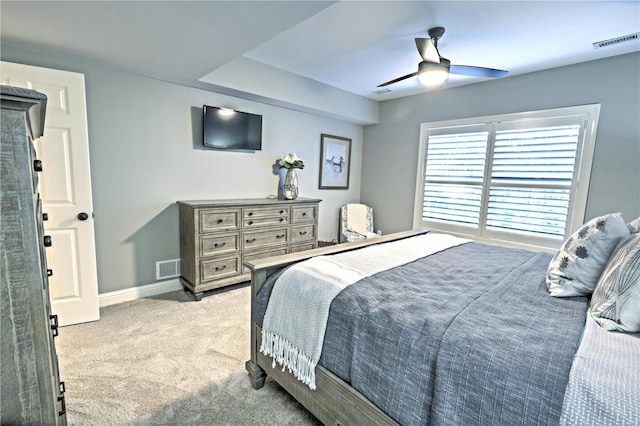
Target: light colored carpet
[170, 360]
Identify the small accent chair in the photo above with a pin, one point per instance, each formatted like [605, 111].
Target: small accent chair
[356, 223]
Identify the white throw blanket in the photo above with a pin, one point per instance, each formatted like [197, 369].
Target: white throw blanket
[296, 316]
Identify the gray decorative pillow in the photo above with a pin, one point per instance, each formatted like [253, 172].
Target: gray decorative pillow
[634, 226]
[576, 268]
[615, 303]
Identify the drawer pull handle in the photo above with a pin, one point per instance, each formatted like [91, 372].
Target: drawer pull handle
[282, 219]
[62, 389]
[54, 324]
[303, 232]
[250, 214]
[47, 241]
[280, 236]
[220, 268]
[63, 405]
[216, 245]
[281, 211]
[304, 213]
[251, 240]
[219, 221]
[250, 222]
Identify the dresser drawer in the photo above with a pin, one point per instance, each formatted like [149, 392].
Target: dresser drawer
[260, 255]
[219, 268]
[257, 239]
[214, 244]
[265, 216]
[264, 221]
[302, 247]
[301, 233]
[303, 213]
[257, 212]
[219, 220]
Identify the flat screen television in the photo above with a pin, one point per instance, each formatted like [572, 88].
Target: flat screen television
[224, 128]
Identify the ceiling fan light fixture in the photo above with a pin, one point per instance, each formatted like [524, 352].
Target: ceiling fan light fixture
[431, 74]
[434, 69]
[434, 77]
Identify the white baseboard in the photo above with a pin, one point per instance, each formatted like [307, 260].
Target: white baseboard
[119, 296]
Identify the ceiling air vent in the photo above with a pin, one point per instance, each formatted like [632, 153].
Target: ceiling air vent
[381, 91]
[611, 42]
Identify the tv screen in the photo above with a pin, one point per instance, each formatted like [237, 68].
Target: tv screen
[224, 128]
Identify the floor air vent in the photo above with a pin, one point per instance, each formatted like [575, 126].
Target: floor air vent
[167, 269]
[611, 42]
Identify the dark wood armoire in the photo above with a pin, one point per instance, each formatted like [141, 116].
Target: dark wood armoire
[31, 389]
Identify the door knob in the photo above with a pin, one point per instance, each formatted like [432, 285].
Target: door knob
[83, 216]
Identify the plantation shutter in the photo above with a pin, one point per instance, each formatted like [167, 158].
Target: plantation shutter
[511, 180]
[454, 174]
[532, 175]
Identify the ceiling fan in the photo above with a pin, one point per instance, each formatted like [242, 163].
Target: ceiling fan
[434, 69]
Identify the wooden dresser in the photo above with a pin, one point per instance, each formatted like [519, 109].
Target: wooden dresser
[31, 389]
[218, 236]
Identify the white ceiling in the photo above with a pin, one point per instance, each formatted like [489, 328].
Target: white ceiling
[350, 45]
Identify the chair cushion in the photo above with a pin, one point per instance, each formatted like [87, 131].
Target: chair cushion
[357, 218]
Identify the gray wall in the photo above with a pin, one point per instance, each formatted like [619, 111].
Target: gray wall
[145, 147]
[391, 146]
[144, 138]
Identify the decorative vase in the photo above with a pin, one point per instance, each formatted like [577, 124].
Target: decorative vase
[291, 185]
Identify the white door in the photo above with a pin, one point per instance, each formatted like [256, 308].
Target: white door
[65, 188]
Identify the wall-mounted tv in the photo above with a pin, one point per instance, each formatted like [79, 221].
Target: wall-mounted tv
[224, 128]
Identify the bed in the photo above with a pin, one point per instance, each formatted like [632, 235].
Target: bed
[464, 334]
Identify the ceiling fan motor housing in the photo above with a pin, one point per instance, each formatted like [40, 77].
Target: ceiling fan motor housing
[436, 32]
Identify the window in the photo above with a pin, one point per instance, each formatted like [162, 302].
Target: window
[519, 178]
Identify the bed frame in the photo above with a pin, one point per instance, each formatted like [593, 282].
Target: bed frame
[334, 401]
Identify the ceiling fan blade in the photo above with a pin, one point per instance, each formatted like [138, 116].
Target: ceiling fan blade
[477, 71]
[428, 50]
[404, 77]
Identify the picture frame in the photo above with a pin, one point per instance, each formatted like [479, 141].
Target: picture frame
[335, 162]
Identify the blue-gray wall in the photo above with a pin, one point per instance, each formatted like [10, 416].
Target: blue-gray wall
[389, 158]
[145, 148]
[145, 154]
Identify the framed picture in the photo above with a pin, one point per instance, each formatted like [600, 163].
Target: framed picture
[335, 162]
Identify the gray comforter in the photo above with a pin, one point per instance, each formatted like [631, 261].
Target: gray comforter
[465, 336]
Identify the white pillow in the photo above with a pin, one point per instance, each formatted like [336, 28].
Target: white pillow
[615, 304]
[634, 226]
[576, 268]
